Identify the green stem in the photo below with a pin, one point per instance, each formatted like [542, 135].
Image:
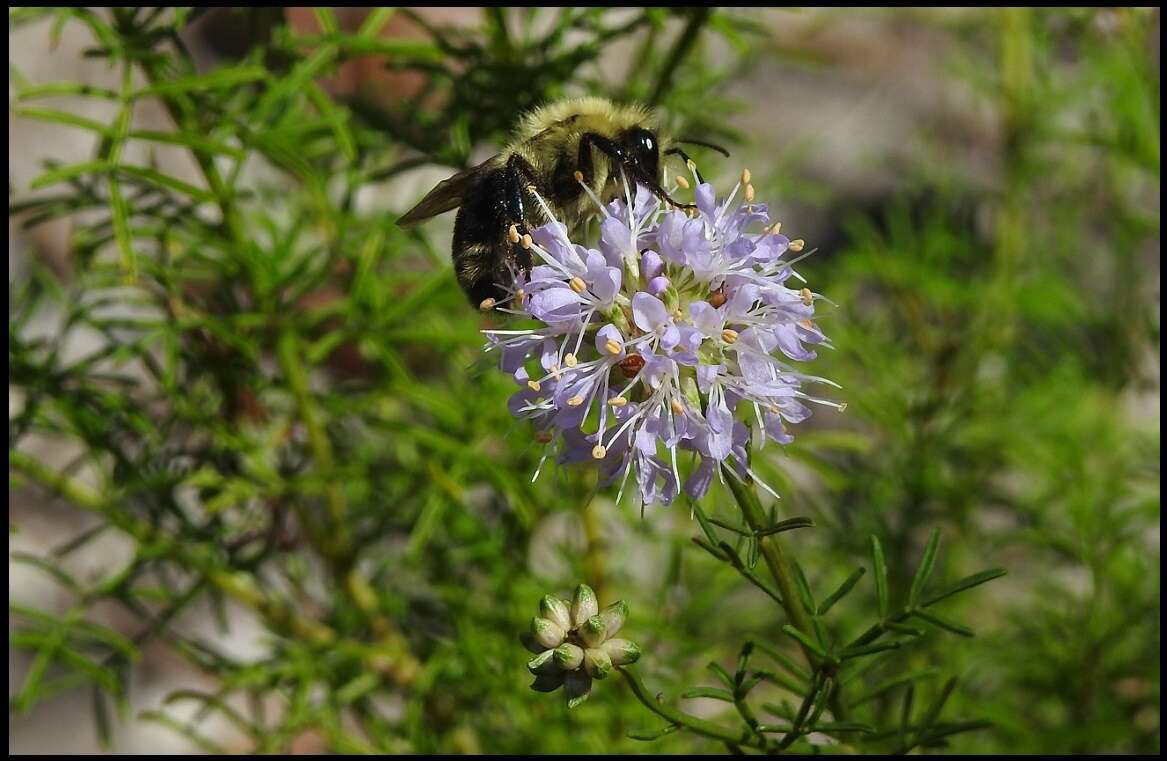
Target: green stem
[783, 575]
[690, 722]
[775, 560]
[680, 49]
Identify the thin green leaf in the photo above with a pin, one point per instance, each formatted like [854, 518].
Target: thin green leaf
[925, 570]
[951, 626]
[880, 568]
[842, 591]
[815, 647]
[787, 525]
[708, 692]
[966, 583]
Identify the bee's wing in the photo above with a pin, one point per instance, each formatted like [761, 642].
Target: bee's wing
[445, 196]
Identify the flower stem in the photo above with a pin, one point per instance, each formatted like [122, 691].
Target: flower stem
[783, 575]
[775, 560]
[690, 722]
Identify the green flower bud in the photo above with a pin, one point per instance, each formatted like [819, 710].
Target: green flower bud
[569, 657]
[542, 663]
[593, 631]
[546, 633]
[621, 651]
[597, 662]
[613, 617]
[578, 686]
[555, 611]
[584, 605]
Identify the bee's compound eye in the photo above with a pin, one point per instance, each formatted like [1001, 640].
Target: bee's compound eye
[643, 147]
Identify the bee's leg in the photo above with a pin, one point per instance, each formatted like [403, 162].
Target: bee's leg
[685, 157]
[519, 175]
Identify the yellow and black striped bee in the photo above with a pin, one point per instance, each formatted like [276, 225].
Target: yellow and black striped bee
[558, 149]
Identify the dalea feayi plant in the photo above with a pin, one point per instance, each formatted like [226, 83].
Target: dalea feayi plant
[259, 450]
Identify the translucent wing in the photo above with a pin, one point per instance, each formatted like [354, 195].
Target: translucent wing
[445, 196]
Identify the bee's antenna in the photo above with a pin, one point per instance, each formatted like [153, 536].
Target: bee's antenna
[705, 144]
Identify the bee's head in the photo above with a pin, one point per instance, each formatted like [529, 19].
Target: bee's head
[641, 150]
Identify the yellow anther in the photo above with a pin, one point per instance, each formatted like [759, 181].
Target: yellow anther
[678, 408]
[749, 193]
[843, 407]
[775, 228]
[487, 304]
[532, 189]
[599, 452]
[613, 347]
[617, 401]
[806, 324]
[694, 213]
[513, 233]
[797, 244]
[519, 294]
[578, 176]
[555, 371]
[692, 167]
[729, 335]
[526, 242]
[575, 401]
[544, 437]
[745, 176]
[578, 285]
[533, 385]
[682, 182]
[807, 296]
[570, 360]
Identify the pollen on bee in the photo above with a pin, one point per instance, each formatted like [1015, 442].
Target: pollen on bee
[617, 401]
[678, 408]
[745, 176]
[613, 347]
[577, 284]
[578, 176]
[575, 401]
[570, 360]
[544, 437]
[599, 452]
[797, 245]
[526, 242]
[729, 335]
[807, 296]
[513, 234]
[533, 385]
[487, 304]
[682, 182]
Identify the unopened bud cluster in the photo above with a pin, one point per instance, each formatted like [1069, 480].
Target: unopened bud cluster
[575, 643]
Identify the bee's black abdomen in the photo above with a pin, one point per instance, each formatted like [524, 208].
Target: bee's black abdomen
[481, 248]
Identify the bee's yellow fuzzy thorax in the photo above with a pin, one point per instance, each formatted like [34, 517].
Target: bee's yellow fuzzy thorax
[619, 116]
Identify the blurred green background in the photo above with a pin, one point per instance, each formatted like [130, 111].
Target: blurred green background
[265, 493]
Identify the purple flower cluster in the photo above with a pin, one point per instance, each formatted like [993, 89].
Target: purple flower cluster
[659, 338]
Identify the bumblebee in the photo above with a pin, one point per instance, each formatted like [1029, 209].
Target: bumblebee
[558, 149]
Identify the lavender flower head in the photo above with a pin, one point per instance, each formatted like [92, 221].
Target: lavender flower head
[669, 335]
